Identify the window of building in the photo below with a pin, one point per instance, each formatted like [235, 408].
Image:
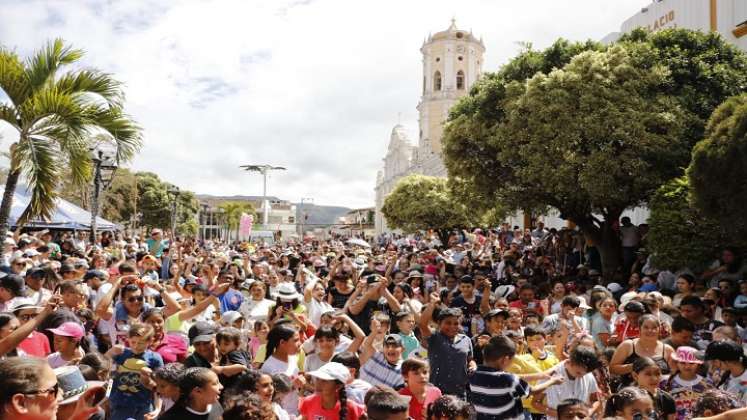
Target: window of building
[460, 58]
[423, 84]
[438, 59]
[460, 80]
[437, 81]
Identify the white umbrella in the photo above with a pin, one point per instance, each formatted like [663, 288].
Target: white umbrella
[359, 242]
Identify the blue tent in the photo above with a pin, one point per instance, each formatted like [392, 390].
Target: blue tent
[66, 216]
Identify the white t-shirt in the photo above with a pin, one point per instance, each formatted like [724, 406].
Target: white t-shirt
[253, 310]
[312, 362]
[290, 369]
[581, 388]
[316, 309]
[309, 346]
[100, 293]
[738, 387]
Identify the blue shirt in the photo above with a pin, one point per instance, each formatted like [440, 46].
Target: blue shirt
[127, 390]
[448, 359]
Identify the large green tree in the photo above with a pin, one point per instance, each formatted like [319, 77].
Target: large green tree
[703, 70]
[57, 113]
[590, 139]
[155, 203]
[419, 203]
[718, 169]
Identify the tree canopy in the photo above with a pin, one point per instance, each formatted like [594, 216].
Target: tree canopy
[718, 169]
[420, 203]
[233, 211]
[594, 130]
[57, 115]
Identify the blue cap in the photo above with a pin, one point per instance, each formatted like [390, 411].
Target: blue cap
[648, 288]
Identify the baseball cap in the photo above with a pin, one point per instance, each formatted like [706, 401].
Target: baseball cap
[98, 274]
[201, 332]
[393, 339]
[230, 317]
[69, 329]
[496, 312]
[332, 371]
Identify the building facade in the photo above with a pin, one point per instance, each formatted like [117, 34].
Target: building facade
[282, 217]
[452, 62]
[727, 17]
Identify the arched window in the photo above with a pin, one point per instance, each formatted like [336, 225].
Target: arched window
[437, 81]
[460, 80]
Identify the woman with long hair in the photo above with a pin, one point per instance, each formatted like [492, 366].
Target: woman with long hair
[257, 383]
[685, 285]
[199, 391]
[330, 399]
[283, 346]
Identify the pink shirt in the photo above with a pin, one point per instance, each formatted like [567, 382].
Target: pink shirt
[311, 408]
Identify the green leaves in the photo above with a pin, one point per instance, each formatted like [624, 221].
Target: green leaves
[59, 117]
[421, 202]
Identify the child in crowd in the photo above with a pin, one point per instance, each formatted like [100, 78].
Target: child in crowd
[329, 400]
[325, 341]
[451, 408]
[647, 376]
[405, 322]
[199, 390]
[167, 384]
[416, 373]
[258, 338]
[578, 381]
[496, 393]
[131, 395]
[67, 338]
[356, 388]
[573, 409]
[714, 402]
[233, 361]
[537, 360]
[630, 404]
[730, 367]
[686, 386]
[382, 367]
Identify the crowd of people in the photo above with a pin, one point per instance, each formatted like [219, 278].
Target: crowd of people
[502, 323]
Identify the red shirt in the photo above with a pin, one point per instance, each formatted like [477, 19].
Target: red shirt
[36, 345]
[311, 408]
[534, 306]
[624, 330]
[418, 409]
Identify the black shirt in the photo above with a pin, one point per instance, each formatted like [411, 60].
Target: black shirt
[195, 360]
[179, 412]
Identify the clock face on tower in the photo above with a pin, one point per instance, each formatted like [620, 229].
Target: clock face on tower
[460, 48]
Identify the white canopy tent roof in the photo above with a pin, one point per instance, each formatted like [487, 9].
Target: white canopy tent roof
[66, 216]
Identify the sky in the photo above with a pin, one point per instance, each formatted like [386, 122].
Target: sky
[312, 85]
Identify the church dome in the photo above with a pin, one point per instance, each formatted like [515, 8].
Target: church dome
[454, 33]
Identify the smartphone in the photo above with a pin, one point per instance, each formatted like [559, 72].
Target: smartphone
[288, 306]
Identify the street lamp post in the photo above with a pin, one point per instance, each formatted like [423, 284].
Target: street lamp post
[204, 221]
[263, 169]
[173, 192]
[303, 213]
[221, 213]
[103, 173]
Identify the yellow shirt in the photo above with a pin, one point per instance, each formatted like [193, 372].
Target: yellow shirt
[524, 364]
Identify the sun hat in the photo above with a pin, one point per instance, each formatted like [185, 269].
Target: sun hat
[72, 383]
[23, 303]
[286, 291]
[69, 329]
[414, 274]
[332, 371]
[229, 317]
[582, 303]
[686, 354]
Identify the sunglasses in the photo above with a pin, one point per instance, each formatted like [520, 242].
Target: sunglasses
[53, 391]
[133, 299]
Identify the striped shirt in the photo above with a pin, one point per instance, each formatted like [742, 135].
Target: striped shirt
[377, 371]
[497, 394]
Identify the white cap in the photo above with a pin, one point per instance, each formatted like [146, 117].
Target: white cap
[332, 371]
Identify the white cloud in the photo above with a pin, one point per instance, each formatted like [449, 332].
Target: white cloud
[314, 85]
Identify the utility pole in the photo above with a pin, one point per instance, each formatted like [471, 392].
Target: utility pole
[173, 192]
[263, 169]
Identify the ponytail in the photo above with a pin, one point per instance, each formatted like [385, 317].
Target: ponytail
[278, 333]
[343, 401]
[192, 378]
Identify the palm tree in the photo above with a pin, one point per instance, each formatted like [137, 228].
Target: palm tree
[58, 115]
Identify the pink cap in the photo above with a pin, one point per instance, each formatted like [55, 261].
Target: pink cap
[69, 329]
[686, 354]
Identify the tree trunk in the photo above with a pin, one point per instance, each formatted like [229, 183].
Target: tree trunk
[610, 250]
[10, 188]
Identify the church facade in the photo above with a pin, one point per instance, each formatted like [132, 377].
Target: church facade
[452, 63]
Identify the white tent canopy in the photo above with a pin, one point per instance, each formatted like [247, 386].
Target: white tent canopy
[66, 215]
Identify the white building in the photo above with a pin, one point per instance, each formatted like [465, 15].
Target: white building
[452, 62]
[727, 17]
